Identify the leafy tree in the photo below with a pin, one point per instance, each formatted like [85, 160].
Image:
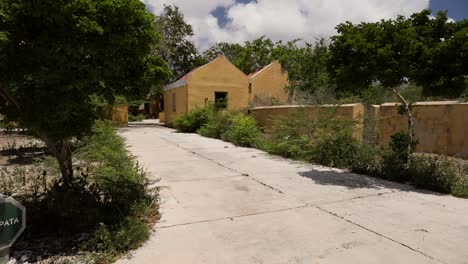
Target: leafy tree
[176, 46]
[232, 51]
[58, 56]
[306, 65]
[443, 62]
[247, 57]
[256, 54]
[375, 53]
[395, 52]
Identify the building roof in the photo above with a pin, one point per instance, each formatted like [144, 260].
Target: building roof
[185, 77]
[183, 80]
[259, 70]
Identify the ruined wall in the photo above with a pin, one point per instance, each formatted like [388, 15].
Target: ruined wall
[266, 115]
[439, 127]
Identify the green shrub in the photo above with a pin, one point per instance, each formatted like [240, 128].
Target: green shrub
[460, 185]
[367, 160]
[290, 136]
[335, 148]
[289, 147]
[192, 121]
[394, 166]
[243, 131]
[110, 198]
[436, 173]
[128, 235]
[114, 171]
[323, 139]
[137, 118]
[217, 124]
[396, 158]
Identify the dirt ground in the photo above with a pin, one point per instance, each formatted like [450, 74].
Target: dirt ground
[18, 149]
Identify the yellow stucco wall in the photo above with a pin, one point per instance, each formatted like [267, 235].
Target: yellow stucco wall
[440, 127]
[161, 117]
[266, 115]
[270, 82]
[181, 103]
[119, 114]
[218, 76]
[371, 124]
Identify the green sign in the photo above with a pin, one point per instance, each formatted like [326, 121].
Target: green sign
[12, 221]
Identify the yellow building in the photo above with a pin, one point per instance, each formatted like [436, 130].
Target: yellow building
[221, 83]
[215, 82]
[269, 82]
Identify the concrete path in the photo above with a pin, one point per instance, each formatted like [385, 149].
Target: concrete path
[224, 204]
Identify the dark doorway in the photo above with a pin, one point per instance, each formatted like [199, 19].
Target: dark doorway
[221, 100]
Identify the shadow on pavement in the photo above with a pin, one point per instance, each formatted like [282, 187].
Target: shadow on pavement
[350, 180]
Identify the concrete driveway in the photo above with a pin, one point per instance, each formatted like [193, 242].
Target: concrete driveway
[225, 204]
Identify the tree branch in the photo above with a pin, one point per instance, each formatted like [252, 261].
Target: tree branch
[406, 105]
[7, 96]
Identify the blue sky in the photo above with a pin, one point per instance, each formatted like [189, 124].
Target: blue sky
[236, 21]
[457, 9]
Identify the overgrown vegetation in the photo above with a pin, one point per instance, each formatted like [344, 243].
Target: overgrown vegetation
[192, 121]
[110, 205]
[237, 128]
[325, 139]
[242, 131]
[322, 137]
[137, 118]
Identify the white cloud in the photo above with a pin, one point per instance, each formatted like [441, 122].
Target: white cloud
[283, 19]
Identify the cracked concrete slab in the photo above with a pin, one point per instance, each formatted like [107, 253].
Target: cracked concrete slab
[225, 204]
[304, 235]
[222, 198]
[429, 227]
[189, 170]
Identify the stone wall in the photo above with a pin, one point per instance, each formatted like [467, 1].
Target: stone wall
[266, 115]
[440, 127]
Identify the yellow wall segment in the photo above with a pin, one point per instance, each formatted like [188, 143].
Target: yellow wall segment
[267, 115]
[119, 114]
[161, 117]
[439, 127]
[181, 103]
[270, 82]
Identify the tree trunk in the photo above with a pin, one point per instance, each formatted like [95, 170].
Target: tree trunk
[62, 152]
[60, 149]
[406, 106]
